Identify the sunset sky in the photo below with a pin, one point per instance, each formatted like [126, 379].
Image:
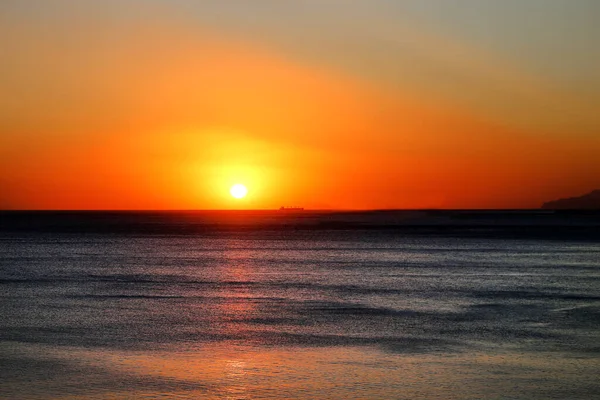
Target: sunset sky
[325, 104]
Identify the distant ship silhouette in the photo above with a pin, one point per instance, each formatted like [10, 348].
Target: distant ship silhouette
[291, 209]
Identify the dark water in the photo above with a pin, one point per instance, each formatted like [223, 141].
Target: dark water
[257, 306]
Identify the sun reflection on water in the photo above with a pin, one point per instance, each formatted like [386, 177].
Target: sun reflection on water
[244, 372]
[235, 379]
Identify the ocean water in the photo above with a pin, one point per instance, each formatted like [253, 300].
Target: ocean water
[296, 314]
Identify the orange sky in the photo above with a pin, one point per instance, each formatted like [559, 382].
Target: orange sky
[141, 113]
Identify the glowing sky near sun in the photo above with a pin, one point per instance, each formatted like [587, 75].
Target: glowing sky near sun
[154, 104]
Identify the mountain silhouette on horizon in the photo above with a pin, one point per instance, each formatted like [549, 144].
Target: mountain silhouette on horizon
[589, 201]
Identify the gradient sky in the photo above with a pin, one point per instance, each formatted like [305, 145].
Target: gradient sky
[164, 104]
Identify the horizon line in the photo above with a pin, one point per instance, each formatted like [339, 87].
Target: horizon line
[305, 210]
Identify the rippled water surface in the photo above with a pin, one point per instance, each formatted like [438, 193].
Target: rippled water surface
[297, 314]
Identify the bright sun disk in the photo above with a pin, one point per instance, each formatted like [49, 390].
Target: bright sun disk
[238, 191]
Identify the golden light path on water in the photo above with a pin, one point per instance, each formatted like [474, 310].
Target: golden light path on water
[238, 371]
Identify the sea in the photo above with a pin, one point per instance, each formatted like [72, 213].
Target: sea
[385, 304]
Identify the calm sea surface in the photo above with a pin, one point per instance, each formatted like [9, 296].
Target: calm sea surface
[308, 314]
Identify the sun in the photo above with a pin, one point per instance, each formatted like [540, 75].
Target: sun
[238, 191]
